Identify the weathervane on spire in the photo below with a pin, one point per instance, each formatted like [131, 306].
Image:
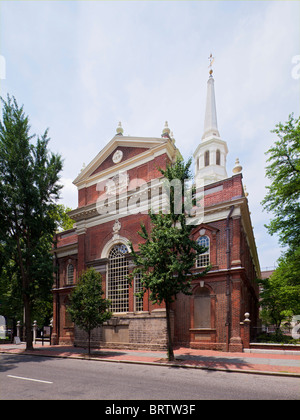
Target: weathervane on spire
[211, 60]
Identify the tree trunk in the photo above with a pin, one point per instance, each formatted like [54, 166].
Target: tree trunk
[26, 298]
[89, 346]
[277, 329]
[169, 335]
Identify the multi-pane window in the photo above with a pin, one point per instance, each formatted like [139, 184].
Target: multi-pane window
[138, 302]
[70, 274]
[117, 285]
[203, 259]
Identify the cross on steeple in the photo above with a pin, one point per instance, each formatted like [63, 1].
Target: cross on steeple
[211, 60]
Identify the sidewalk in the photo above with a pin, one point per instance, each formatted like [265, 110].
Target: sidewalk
[259, 363]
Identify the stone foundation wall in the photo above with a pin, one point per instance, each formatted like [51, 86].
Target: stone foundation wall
[129, 331]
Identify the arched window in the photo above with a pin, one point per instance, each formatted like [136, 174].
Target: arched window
[117, 285]
[203, 259]
[70, 274]
[218, 157]
[202, 308]
[206, 158]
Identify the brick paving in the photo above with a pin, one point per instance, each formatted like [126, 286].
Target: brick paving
[262, 363]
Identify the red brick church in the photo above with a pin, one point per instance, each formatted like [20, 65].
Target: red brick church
[115, 191]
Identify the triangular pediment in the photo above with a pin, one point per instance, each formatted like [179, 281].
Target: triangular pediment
[205, 228]
[119, 154]
[121, 150]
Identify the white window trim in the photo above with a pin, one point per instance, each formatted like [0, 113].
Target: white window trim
[116, 239]
[204, 254]
[114, 307]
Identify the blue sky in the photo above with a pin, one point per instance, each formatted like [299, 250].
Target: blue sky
[80, 67]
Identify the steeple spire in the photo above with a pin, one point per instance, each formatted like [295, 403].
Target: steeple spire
[210, 155]
[210, 121]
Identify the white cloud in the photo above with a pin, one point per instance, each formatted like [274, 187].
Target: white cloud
[68, 195]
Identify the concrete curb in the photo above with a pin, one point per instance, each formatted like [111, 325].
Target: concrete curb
[167, 364]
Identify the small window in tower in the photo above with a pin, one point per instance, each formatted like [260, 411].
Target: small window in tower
[206, 158]
[218, 157]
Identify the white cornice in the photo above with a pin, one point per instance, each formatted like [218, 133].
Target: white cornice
[155, 146]
[64, 251]
[213, 140]
[247, 226]
[128, 164]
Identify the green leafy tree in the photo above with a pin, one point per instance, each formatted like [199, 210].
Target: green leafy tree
[11, 301]
[60, 214]
[280, 293]
[87, 307]
[11, 305]
[283, 197]
[29, 175]
[168, 254]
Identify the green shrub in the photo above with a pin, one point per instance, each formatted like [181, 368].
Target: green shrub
[277, 338]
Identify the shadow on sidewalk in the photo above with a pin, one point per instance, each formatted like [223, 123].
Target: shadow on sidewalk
[81, 351]
[210, 362]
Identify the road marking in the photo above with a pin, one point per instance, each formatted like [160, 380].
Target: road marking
[29, 379]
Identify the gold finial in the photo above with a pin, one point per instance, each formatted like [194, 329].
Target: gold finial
[119, 129]
[172, 137]
[166, 130]
[238, 167]
[211, 60]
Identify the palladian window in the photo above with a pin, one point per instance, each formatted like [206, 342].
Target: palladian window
[117, 285]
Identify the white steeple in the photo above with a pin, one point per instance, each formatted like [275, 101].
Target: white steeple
[210, 122]
[210, 155]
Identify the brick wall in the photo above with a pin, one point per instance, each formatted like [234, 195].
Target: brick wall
[128, 152]
[67, 237]
[229, 188]
[148, 329]
[132, 331]
[146, 172]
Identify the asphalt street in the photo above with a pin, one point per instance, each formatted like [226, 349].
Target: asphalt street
[42, 378]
